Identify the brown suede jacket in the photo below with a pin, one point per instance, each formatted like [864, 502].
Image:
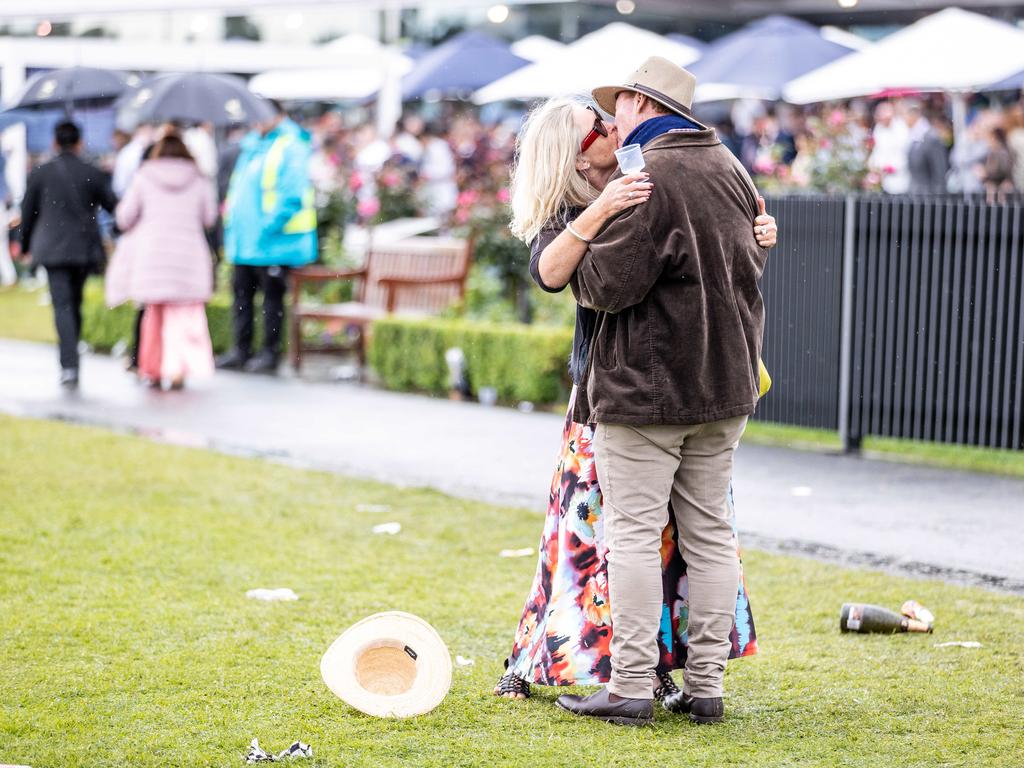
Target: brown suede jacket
[675, 281]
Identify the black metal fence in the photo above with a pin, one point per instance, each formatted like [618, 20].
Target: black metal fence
[898, 316]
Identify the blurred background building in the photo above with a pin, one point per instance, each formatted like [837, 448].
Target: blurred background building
[429, 21]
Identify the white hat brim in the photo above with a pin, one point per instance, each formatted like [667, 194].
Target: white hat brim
[433, 665]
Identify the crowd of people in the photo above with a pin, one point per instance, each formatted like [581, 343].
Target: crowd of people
[454, 168]
[162, 192]
[894, 145]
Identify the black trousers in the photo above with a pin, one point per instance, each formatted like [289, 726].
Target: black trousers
[273, 282]
[133, 352]
[66, 285]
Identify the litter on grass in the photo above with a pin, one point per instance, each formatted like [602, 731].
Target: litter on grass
[914, 610]
[257, 755]
[959, 644]
[271, 595]
[524, 552]
[389, 528]
[462, 661]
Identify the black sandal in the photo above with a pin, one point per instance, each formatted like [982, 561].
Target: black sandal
[512, 683]
[667, 688]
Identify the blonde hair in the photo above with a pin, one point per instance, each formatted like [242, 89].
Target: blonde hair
[545, 182]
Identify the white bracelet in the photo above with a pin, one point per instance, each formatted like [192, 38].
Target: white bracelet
[574, 233]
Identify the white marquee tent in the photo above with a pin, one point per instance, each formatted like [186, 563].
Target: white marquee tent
[369, 63]
[952, 50]
[603, 57]
[536, 47]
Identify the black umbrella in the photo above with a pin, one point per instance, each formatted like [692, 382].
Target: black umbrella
[71, 87]
[197, 97]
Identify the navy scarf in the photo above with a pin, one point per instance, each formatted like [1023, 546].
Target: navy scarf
[656, 126]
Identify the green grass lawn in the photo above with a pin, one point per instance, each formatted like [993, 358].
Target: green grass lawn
[22, 316]
[966, 457]
[128, 641]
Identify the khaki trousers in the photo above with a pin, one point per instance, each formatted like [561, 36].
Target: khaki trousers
[640, 469]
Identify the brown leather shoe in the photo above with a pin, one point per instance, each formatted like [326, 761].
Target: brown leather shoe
[599, 705]
[703, 711]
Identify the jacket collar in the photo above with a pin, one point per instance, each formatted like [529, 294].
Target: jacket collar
[676, 139]
[656, 126]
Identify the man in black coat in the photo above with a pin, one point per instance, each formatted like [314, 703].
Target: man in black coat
[60, 233]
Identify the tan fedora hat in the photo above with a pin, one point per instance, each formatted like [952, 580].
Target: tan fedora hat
[389, 665]
[660, 79]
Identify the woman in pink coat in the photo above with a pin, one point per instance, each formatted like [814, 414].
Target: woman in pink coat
[163, 262]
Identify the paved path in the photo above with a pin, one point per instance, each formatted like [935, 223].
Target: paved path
[954, 525]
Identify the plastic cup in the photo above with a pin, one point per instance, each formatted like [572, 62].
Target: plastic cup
[631, 159]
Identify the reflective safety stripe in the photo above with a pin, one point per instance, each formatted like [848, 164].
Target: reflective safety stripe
[271, 168]
[305, 219]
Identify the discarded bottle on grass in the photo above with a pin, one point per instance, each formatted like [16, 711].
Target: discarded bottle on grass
[865, 618]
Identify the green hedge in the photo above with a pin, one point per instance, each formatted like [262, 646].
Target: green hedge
[103, 328]
[521, 362]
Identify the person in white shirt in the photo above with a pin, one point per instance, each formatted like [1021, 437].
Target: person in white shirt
[409, 143]
[201, 145]
[129, 158]
[439, 191]
[892, 145]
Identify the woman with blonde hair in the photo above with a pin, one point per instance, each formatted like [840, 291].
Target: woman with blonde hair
[562, 195]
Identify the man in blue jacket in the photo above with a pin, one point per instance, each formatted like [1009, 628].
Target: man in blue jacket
[269, 227]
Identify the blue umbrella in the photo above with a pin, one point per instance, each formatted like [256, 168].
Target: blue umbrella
[465, 63]
[759, 59]
[1012, 83]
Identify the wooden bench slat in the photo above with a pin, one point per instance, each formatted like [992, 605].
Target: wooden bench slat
[420, 276]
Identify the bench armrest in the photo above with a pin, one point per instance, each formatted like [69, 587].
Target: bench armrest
[321, 274]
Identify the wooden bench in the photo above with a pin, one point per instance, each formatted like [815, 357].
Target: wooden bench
[418, 276]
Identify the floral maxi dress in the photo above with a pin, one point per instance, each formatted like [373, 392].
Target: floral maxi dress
[565, 632]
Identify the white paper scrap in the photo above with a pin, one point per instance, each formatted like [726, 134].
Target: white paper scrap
[389, 528]
[525, 552]
[270, 595]
[462, 661]
[959, 644]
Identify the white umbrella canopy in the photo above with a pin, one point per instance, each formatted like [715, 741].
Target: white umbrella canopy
[536, 47]
[351, 81]
[334, 84]
[603, 57]
[848, 39]
[952, 50]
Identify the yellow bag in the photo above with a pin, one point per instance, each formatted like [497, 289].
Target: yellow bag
[765, 378]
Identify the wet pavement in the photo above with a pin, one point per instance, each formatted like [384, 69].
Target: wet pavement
[904, 518]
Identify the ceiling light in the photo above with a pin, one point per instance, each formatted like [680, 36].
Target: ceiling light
[625, 7]
[199, 24]
[293, 20]
[496, 14]
[847, 3]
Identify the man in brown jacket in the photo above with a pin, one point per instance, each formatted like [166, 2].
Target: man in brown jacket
[673, 376]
